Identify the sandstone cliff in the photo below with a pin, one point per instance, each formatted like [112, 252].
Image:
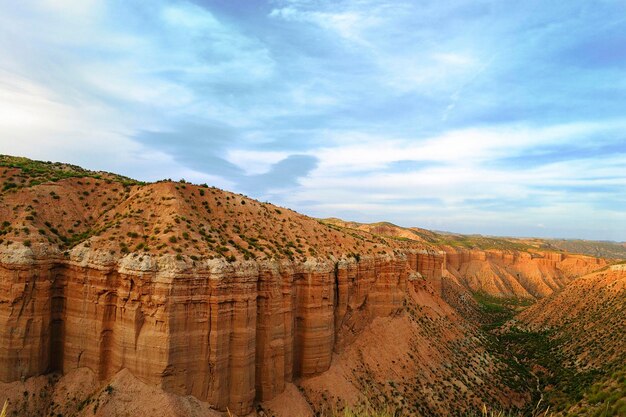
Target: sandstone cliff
[231, 334]
[226, 333]
[207, 293]
[513, 273]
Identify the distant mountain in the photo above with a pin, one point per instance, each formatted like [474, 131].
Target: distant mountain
[603, 249]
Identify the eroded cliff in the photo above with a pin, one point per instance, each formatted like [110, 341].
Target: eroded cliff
[211, 294]
[511, 273]
[226, 333]
[498, 267]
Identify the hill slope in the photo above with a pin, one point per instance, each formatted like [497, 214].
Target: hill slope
[575, 341]
[590, 314]
[208, 293]
[119, 216]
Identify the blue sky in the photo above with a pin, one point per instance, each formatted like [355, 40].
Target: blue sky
[493, 117]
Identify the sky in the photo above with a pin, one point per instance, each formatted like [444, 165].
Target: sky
[494, 117]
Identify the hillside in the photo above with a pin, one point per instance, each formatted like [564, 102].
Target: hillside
[500, 267]
[600, 249]
[208, 293]
[612, 250]
[201, 298]
[24, 172]
[590, 314]
[117, 215]
[607, 397]
[575, 341]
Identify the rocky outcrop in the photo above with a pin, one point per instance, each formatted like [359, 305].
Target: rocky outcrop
[516, 273]
[428, 263]
[226, 333]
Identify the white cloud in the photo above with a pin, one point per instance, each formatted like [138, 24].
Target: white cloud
[80, 9]
[355, 151]
[322, 79]
[459, 187]
[255, 162]
[351, 25]
[91, 78]
[377, 29]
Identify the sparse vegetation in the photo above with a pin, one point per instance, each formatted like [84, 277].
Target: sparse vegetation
[37, 172]
[499, 310]
[192, 223]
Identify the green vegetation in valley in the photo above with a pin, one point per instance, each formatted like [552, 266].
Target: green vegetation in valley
[606, 397]
[538, 355]
[499, 310]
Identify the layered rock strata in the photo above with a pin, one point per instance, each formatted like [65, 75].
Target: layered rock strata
[515, 273]
[224, 333]
[227, 333]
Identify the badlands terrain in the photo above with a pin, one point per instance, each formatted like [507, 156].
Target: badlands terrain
[172, 299]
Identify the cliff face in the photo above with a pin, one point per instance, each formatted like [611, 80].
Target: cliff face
[428, 263]
[427, 360]
[208, 293]
[224, 333]
[497, 267]
[500, 273]
[195, 289]
[515, 273]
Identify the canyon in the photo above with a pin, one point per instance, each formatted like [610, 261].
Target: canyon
[210, 297]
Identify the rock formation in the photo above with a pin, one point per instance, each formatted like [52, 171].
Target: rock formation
[207, 293]
[497, 267]
[226, 333]
[513, 273]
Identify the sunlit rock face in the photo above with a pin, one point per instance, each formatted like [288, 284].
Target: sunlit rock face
[227, 333]
[207, 293]
[515, 273]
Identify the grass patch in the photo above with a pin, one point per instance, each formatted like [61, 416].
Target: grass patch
[540, 354]
[498, 310]
[604, 398]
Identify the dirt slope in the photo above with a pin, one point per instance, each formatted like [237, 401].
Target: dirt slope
[80, 394]
[589, 316]
[433, 362]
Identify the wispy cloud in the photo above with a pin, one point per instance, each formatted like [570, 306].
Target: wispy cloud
[475, 116]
